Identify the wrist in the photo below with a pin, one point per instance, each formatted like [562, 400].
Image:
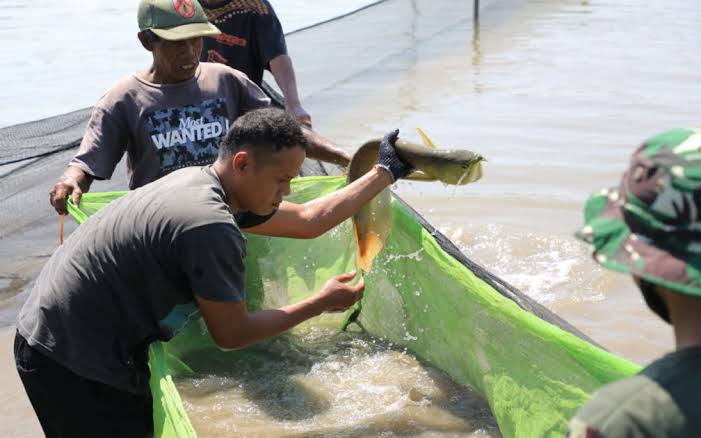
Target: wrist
[344, 158]
[315, 305]
[383, 171]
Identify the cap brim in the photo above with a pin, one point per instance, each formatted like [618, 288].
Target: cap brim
[187, 31]
[618, 249]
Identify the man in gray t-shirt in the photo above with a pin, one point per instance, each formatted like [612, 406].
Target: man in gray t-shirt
[172, 115]
[164, 254]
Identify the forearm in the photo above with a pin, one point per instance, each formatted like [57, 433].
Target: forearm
[82, 179]
[266, 324]
[324, 213]
[323, 149]
[284, 74]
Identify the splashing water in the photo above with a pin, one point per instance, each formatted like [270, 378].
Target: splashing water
[323, 383]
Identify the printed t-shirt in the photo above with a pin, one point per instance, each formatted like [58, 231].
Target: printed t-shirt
[127, 275]
[165, 127]
[251, 36]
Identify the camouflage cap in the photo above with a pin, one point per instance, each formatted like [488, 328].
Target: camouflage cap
[650, 226]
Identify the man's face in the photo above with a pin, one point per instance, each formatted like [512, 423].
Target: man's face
[177, 61]
[266, 179]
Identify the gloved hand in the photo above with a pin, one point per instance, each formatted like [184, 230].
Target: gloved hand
[388, 158]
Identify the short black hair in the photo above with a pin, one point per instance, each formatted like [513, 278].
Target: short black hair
[265, 131]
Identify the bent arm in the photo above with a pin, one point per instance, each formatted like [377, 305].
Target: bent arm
[284, 74]
[232, 327]
[321, 148]
[313, 218]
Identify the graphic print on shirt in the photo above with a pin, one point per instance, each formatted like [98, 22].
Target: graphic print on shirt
[189, 135]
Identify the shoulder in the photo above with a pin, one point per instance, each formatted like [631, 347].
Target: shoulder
[237, 8]
[216, 69]
[189, 198]
[121, 91]
[233, 80]
[268, 8]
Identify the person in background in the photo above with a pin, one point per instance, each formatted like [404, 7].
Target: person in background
[171, 115]
[143, 267]
[650, 227]
[251, 41]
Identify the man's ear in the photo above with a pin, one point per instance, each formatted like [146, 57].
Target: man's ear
[240, 161]
[145, 41]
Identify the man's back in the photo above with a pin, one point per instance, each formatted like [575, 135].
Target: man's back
[126, 277]
[663, 400]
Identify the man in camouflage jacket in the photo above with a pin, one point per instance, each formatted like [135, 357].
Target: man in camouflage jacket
[650, 227]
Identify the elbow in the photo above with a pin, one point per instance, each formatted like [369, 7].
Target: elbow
[309, 234]
[228, 347]
[312, 223]
[230, 344]
[312, 231]
[227, 342]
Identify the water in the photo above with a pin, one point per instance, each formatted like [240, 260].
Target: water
[319, 382]
[554, 93]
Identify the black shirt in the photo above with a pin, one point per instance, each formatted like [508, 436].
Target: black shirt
[251, 36]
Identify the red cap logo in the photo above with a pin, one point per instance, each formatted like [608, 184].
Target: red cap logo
[185, 8]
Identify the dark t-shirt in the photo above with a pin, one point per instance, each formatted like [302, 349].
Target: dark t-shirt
[251, 36]
[127, 276]
[165, 127]
[663, 401]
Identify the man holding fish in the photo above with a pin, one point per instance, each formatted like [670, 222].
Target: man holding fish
[162, 255]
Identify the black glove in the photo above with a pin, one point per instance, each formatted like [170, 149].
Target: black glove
[388, 158]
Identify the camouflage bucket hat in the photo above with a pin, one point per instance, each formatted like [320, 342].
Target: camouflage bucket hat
[650, 225]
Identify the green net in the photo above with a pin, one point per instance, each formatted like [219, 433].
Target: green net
[533, 374]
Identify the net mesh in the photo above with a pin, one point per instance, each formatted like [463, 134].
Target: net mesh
[533, 374]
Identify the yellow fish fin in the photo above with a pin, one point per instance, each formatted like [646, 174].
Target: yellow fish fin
[427, 141]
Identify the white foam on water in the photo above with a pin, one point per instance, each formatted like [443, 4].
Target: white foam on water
[327, 384]
[551, 269]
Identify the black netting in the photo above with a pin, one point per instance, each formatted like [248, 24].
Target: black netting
[42, 137]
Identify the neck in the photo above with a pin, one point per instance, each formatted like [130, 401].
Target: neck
[684, 311]
[688, 333]
[155, 76]
[223, 172]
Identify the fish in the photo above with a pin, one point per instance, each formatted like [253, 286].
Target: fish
[373, 222]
